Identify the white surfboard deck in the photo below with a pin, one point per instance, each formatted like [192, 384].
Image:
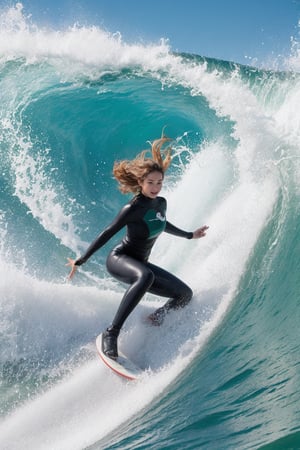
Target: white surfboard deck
[122, 366]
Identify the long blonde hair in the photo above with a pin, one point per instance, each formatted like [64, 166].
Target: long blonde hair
[129, 173]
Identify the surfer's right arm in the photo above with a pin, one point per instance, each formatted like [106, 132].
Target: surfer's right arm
[117, 224]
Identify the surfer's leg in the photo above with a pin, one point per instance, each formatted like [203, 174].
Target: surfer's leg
[140, 278]
[167, 285]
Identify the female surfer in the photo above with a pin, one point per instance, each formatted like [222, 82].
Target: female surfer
[145, 218]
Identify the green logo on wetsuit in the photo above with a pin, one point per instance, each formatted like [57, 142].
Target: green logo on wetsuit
[155, 222]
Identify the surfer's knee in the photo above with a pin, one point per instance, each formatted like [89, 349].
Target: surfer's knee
[190, 293]
[185, 297]
[182, 298]
[179, 301]
[146, 277]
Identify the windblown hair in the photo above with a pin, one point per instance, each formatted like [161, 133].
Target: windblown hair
[129, 173]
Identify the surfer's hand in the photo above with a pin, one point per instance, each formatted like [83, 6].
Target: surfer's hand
[71, 263]
[200, 232]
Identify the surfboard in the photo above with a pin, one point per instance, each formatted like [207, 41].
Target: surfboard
[122, 366]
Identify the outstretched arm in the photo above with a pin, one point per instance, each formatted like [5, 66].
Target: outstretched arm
[200, 232]
[118, 223]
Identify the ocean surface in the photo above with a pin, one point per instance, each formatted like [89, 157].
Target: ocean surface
[224, 372]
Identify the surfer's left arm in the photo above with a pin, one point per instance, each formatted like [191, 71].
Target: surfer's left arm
[200, 232]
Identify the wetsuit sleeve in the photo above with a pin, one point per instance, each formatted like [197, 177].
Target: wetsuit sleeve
[171, 229]
[118, 223]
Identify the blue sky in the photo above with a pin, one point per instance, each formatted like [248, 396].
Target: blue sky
[238, 30]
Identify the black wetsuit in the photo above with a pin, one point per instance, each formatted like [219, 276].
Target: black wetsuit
[145, 219]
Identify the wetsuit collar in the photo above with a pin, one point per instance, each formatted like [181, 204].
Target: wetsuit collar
[141, 195]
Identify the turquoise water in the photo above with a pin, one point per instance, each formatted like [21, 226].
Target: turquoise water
[224, 372]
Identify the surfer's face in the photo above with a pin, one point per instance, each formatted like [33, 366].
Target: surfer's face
[152, 184]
